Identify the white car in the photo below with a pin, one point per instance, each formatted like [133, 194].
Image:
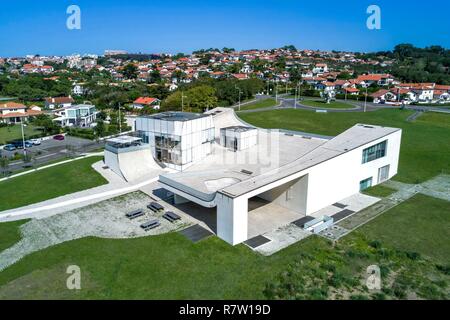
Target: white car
[36, 142]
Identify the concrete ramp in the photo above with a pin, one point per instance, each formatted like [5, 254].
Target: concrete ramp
[132, 164]
[138, 164]
[224, 117]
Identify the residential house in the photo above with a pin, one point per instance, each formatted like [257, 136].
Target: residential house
[82, 115]
[378, 79]
[240, 76]
[327, 86]
[12, 112]
[383, 95]
[320, 68]
[351, 91]
[146, 102]
[58, 102]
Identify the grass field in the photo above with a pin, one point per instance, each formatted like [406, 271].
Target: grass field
[259, 104]
[9, 233]
[379, 191]
[322, 104]
[49, 183]
[171, 267]
[425, 225]
[425, 151]
[15, 132]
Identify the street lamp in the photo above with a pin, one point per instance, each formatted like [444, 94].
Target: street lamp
[120, 121]
[236, 87]
[365, 101]
[182, 100]
[295, 97]
[23, 139]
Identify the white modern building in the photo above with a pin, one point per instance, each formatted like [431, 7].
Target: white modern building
[227, 167]
[300, 173]
[81, 115]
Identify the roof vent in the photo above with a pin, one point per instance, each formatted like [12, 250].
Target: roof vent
[246, 172]
[368, 127]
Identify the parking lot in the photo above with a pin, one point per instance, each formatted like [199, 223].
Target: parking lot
[51, 149]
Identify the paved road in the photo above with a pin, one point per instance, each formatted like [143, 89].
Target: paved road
[51, 150]
[358, 106]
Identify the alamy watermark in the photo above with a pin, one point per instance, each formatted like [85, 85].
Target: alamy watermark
[73, 22]
[374, 20]
[73, 282]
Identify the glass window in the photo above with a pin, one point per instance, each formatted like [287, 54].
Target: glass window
[383, 173]
[364, 184]
[374, 152]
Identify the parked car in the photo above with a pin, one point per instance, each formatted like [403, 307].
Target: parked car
[17, 144]
[58, 137]
[9, 147]
[28, 144]
[36, 142]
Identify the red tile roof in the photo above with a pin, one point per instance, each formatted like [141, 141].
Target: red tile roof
[12, 105]
[145, 100]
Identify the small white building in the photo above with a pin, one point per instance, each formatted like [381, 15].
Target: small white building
[238, 138]
[58, 102]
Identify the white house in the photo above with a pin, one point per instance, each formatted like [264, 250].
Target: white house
[146, 102]
[320, 68]
[12, 112]
[78, 89]
[82, 115]
[58, 102]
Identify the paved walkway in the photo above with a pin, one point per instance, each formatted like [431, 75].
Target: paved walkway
[438, 187]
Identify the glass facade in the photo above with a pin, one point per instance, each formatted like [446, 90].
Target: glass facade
[168, 148]
[177, 143]
[374, 152]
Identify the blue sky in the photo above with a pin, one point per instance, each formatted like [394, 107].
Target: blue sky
[31, 27]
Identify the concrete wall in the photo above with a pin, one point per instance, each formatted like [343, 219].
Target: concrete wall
[339, 177]
[232, 219]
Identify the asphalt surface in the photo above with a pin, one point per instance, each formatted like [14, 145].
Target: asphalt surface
[51, 150]
[357, 106]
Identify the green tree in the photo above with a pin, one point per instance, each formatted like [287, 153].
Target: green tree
[100, 129]
[130, 71]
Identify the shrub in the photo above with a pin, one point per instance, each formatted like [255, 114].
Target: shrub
[375, 244]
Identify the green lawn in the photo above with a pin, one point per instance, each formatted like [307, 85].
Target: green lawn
[259, 104]
[49, 183]
[425, 149]
[9, 233]
[322, 104]
[424, 223]
[15, 132]
[379, 191]
[171, 267]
